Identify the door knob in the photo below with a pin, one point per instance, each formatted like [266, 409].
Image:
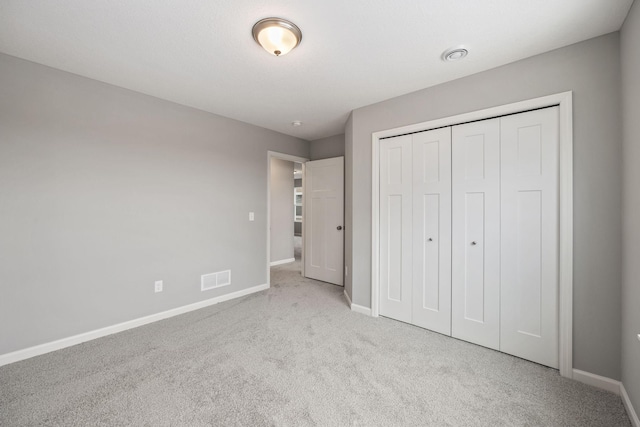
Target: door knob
[339, 227]
[430, 239]
[473, 243]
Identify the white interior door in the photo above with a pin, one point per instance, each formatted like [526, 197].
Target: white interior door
[395, 228]
[431, 297]
[324, 220]
[529, 283]
[476, 233]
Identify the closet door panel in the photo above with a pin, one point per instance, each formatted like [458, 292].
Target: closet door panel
[395, 228]
[474, 251]
[476, 233]
[431, 301]
[529, 242]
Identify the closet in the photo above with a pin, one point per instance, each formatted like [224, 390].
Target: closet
[469, 232]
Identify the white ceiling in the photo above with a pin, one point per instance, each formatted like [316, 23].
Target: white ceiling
[353, 53]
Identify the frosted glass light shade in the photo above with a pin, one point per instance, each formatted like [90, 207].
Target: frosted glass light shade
[277, 36]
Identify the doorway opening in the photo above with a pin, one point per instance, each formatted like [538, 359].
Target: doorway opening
[318, 206]
[298, 201]
[285, 205]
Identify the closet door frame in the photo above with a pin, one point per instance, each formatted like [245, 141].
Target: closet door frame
[565, 262]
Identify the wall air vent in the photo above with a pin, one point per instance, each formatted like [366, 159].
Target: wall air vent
[215, 280]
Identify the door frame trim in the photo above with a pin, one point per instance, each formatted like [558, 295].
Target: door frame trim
[564, 101]
[291, 158]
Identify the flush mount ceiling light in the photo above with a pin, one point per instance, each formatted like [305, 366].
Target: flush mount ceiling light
[276, 35]
[454, 54]
[296, 123]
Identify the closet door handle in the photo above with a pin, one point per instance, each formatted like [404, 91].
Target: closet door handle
[430, 239]
[339, 227]
[473, 243]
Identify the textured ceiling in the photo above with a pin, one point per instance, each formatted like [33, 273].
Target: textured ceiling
[353, 53]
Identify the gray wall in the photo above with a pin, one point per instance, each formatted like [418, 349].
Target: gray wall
[591, 70]
[630, 54]
[348, 206]
[104, 190]
[281, 209]
[327, 148]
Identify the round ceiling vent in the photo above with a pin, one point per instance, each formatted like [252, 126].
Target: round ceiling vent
[454, 54]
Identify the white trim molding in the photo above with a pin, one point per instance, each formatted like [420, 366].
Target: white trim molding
[38, 350]
[613, 386]
[633, 415]
[355, 307]
[597, 381]
[282, 261]
[361, 309]
[346, 295]
[565, 275]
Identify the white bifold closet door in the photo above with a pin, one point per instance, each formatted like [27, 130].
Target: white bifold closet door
[475, 277]
[395, 228]
[415, 229]
[432, 230]
[529, 243]
[469, 232]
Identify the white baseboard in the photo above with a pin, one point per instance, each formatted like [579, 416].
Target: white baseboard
[282, 261]
[597, 381]
[610, 385]
[346, 295]
[361, 309]
[355, 307]
[633, 415]
[37, 350]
